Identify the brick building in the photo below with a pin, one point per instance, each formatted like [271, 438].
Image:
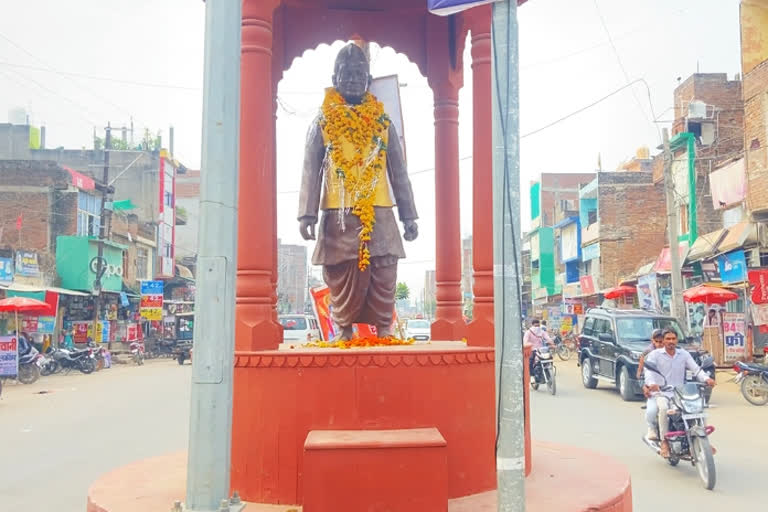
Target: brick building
[188, 206]
[754, 19]
[623, 222]
[292, 283]
[707, 132]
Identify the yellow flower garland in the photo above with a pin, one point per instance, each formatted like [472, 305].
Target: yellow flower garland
[363, 126]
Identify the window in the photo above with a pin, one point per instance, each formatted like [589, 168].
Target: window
[125, 264]
[293, 323]
[683, 219]
[589, 325]
[603, 326]
[168, 199]
[591, 217]
[88, 214]
[142, 258]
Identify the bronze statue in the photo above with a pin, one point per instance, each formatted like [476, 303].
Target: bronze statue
[354, 170]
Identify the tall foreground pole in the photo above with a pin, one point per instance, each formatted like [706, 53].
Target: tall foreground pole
[510, 444]
[676, 306]
[210, 433]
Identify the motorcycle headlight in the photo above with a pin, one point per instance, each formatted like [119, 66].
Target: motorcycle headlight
[693, 406]
[636, 355]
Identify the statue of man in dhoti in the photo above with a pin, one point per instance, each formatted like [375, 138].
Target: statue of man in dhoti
[355, 172]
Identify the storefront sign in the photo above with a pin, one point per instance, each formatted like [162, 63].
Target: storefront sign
[9, 356]
[132, 332]
[6, 270]
[27, 264]
[734, 331]
[29, 324]
[80, 331]
[587, 285]
[151, 305]
[733, 267]
[759, 281]
[46, 324]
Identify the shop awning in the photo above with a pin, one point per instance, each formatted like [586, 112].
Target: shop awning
[739, 236]
[81, 181]
[25, 288]
[706, 246]
[663, 264]
[645, 269]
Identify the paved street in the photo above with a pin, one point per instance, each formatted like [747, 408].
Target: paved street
[55, 445]
[599, 420]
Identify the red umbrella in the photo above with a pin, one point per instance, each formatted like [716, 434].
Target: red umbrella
[25, 305]
[709, 295]
[615, 293]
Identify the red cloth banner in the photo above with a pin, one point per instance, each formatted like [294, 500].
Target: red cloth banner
[759, 281]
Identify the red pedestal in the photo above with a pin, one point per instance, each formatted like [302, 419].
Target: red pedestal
[350, 471]
[281, 396]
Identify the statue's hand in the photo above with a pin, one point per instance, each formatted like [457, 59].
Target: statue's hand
[411, 230]
[307, 228]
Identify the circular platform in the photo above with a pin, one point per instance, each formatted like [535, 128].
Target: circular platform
[564, 479]
[282, 395]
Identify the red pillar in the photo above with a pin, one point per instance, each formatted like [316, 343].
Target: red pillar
[480, 330]
[256, 327]
[449, 324]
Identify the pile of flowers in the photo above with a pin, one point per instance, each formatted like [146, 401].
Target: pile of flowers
[371, 341]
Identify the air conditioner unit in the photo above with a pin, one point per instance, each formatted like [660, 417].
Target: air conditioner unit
[753, 257]
[697, 110]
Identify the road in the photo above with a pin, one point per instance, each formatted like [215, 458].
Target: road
[56, 444]
[599, 420]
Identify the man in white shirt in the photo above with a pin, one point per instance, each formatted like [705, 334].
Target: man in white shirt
[536, 336]
[672, 365]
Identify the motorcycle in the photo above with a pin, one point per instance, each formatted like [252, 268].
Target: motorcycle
[29, 366]
[707, 363]
[69, 360]
[754, 382]
[137, 352]
[564, 347]
[544, 369]
[688, 434]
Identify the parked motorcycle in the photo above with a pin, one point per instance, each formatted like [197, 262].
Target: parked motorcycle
[544, 369]
[564, 347]
[29, 366]
[137, 352]
[688, 434]
[754, 382]
[69, 360]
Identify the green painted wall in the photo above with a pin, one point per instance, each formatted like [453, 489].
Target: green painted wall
[535, 200]
[547, 259]
[74, 255]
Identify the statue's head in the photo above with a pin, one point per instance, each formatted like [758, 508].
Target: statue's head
[352, 73]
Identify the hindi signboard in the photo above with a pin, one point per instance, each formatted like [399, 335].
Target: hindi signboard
[9, 356]
[151, 305]
[734, 332]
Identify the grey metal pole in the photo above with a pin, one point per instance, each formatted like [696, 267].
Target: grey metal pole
[676, 306]
[510, 445]
[210, 432]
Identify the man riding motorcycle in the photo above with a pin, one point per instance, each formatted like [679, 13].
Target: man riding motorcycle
[536, 336]
[672, 364]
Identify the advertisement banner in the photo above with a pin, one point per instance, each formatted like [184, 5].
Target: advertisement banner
[151, 301]
[155, 314]
[46, 324]
[132, 332]
[151, 304]
[734, 331]
[27, 264]
[760, 314]
[80, 331]
[321, 303]
[733, 267]
[759, 281]
[647, 293]
[587, 285]
[29, 324]
[6, 270]
[152, 287]
[9, 356]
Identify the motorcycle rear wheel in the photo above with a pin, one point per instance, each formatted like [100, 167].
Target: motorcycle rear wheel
[28, 373]
[751, 389]
[705, 462]
[87, 366]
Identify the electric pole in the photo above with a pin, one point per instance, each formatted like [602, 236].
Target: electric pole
[510, 442]
[676, 306]
[101, 266]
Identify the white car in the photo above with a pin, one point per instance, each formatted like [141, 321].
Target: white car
[419, 330]
[299, 328]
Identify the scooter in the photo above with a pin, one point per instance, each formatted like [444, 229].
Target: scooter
[137, 352]
[688, 433]
[29, 366]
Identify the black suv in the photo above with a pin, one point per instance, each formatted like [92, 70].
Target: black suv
[612, 341]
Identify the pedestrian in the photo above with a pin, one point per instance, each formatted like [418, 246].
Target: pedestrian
[657, 341]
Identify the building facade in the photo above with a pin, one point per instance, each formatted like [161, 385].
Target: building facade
[292, 280]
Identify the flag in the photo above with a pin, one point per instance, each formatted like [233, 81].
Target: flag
[19, 221]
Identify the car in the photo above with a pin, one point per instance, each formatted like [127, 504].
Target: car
[299, 328]
[612, 341]
[418, 329]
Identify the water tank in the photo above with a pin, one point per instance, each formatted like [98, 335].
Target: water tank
[18, 115]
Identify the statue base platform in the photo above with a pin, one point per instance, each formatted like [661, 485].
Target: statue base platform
[583, 480]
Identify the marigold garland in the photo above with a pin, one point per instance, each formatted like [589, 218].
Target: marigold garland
[363, 126]
[373, 341]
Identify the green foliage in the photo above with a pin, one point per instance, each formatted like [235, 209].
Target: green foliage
[402, 291]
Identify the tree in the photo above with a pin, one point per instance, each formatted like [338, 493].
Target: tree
[402, 292]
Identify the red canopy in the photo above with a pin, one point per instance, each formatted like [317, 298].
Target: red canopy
[619, 291]
[24, 304]
[709, 295]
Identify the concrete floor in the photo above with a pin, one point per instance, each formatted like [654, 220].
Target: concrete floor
[55, 445]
